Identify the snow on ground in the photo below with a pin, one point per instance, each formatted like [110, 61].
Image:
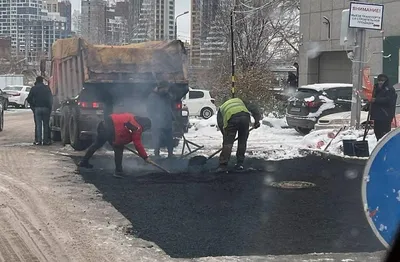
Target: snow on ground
[273, 140]
[270, 141]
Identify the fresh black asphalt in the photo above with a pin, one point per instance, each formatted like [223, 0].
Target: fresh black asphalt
[195, 215]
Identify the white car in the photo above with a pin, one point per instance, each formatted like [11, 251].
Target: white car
[200, 103]
[17, 95]
[338, 120]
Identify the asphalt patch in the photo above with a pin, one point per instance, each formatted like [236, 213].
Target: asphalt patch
[206, 214]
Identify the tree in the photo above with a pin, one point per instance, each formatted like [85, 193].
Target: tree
[264, 32]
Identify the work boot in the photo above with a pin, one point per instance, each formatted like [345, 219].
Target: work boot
[37, 143]
[239, 167]
[118, 174]
[222, 169]
[85, 164]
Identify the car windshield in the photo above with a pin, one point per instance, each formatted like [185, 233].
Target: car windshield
[13, 88]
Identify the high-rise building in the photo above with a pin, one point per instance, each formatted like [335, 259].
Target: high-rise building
[116, 23]
[51, 5]
[32, 28]
[133, 17]
[206, 38]
[93, 19]
[156, 20]
[65, 10]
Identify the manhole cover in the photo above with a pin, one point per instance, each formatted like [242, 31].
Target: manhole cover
[292, 184]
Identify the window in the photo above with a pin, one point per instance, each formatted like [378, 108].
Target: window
[195, 94]
[344, 93]
[28, 89]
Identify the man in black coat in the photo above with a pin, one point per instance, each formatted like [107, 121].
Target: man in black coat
[159, 110]
[383, 106]
[41, 99]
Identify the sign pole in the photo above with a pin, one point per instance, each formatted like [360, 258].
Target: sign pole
[358, 60]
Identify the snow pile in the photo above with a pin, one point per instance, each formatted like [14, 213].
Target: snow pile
[269, 141]
[274, 122]
[321, 138]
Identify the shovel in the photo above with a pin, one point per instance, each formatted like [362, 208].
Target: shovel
[151, 162]
[202, 160]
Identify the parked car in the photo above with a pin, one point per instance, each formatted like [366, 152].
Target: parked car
[4, 99]
[17, 95]
[311, 102]
[200, 103]
[338, 120]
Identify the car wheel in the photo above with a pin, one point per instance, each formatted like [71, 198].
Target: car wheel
[206, 113]
[303, 131]
[5, 106]
[2, 122]
[26, 104]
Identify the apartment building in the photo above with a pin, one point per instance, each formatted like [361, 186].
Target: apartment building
[323, 59]
[31, 27]
[156, 20]
[206, 38]
[93, 19]
[65, 10]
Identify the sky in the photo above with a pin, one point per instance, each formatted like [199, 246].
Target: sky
[180, 7]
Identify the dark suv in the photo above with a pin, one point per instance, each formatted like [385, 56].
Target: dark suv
[311, 102]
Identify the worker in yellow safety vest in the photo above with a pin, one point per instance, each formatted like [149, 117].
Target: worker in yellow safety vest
[234, 117]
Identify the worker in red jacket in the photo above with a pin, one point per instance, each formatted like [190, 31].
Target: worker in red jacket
[119, 130]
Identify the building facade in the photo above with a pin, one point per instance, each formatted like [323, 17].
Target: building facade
[93, 19]
[323, 59]
[206, 35]
[156, 20]
[31, 27]
[65, 10]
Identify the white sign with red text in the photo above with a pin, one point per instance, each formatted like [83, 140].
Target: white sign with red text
[366, 16]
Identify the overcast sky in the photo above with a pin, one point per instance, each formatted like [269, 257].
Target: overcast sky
[180, 7]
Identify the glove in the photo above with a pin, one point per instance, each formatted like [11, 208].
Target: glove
[256, 125]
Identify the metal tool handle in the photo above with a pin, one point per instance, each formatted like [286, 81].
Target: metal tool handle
[150, 161]
[251, 129]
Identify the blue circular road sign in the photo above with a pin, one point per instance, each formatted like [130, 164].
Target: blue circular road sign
[381, 188]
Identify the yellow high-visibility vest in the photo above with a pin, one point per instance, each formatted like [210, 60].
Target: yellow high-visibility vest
[231, 107]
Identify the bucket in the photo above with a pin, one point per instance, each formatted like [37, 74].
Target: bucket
[348, 147]
[361, 148]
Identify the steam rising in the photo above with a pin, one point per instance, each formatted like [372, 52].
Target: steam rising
[313, 50]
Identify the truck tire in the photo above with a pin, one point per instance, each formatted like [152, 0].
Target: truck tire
[55, 135]
[64, 126]
[76, 143]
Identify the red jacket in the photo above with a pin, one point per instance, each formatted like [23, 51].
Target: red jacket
[123, 135]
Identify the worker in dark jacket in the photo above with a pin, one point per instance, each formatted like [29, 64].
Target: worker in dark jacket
[234, 117]
[119, 130]
[383, 106]
[40, 99]
[160, 112]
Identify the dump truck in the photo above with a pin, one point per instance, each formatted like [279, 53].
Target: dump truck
[89, 81]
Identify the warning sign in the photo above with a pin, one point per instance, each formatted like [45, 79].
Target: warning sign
[366, 16]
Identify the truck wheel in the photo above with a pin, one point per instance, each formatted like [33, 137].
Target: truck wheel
[74, 132]
[64, 133]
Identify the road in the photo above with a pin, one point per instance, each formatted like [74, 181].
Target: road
[50, 212]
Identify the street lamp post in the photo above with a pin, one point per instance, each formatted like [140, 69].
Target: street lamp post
[176, 25]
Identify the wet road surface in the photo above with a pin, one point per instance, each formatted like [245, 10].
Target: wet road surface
[197, 215]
